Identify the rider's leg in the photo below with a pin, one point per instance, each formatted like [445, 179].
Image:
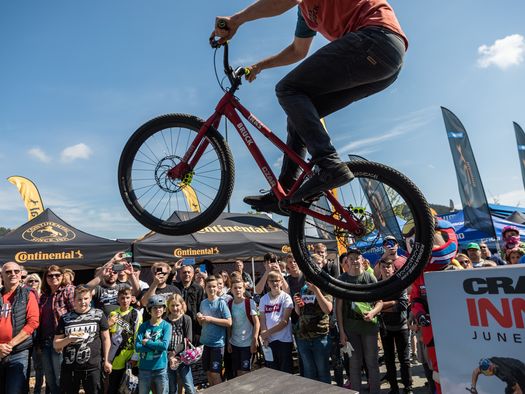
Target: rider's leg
[350, 68]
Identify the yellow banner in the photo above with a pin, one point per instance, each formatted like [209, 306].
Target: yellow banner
[191, 197]
[30, 195]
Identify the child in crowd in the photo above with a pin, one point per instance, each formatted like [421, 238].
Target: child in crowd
[152, 343]
[276, 329]
[82, 335]
[123, 326]
[245, 328]
[214, 317]
[181, 331]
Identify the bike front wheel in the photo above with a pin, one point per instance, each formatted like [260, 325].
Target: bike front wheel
[175, 205]
[382, 201]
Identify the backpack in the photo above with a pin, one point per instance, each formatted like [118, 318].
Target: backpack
[246, 309]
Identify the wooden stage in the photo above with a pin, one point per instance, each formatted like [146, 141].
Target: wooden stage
[266, 380]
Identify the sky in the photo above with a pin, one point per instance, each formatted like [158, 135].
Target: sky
[78, 78]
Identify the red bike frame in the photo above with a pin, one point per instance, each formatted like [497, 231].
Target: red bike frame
[229, 106]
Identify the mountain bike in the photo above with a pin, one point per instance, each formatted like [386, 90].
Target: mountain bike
[176, 175]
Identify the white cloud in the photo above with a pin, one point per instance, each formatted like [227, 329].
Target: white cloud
[515, 198]
[504, 53]
[78, 151]
[39, 154]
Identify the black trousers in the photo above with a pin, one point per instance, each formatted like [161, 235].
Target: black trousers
[71, 380]
[392, 341]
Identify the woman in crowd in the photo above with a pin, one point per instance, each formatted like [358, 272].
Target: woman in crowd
[57, 299]
[464, 260]
[226, 282]
[181, 331]
[513, 256]
[33, 281]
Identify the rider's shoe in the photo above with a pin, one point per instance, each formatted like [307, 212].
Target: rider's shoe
[265, 203]
[325, 178]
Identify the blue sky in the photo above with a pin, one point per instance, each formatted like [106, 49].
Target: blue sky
[77, 78]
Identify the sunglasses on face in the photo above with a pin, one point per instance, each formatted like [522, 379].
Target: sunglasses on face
[12, 272]
[54, 275]
[32, 281]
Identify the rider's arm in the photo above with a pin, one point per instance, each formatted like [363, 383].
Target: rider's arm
[475, 374]
[294, 52]
[263, 9]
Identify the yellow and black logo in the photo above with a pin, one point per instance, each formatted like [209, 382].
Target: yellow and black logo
[179, 252]
[46, 232]
[23, 256]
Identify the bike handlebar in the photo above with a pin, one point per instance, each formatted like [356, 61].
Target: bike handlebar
[234, 76]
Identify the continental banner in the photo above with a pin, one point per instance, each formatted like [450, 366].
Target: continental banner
[473, 198]
[29, 194]
[520, 141]
[478, 323]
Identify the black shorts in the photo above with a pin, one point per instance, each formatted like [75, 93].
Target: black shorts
[212, 359]
[241, 358]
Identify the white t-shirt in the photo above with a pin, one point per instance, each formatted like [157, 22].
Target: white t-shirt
[273, 311]
[242, 329]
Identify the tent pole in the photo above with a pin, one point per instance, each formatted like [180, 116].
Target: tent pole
[253, 271]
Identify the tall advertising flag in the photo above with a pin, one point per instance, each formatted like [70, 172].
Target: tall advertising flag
[473, 198]
[30, 195]
[520, 140]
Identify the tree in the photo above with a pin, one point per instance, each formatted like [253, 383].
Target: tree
[4, 231]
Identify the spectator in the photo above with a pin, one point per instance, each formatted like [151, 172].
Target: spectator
[474, 254]
[313, 342]
[510, 239]
[193, 294]
[226, 282]
[295, 279]
[486, 254]
[160, 271]
[123, 324]
[19, 318]
[181, 331]
[390, 249]
[23, 276]
[200, 278]
[513, 256]
[329, 266]
[137, 269]
[276, 329]
[69, 276]
[220, 290]
[153, 339]
[83, 337]
[367, 267]
[105, 286]
[358, 325]
[270, 264]
[244, 332]
[214, 317]
[464, 261]
[395, 333]
[34, 282]
[57, 299]
[239, 266]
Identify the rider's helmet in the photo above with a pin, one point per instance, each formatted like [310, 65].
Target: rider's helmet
[484, 366]
[156, 300]
[509, 228]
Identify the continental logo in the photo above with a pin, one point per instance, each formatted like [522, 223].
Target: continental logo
[239, 229]
[22, 257]
[180, 252]
[48, 232]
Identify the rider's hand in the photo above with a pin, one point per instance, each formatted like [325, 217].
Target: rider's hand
[253, 71]
[423, 320]
[226, 34]
[472, 390]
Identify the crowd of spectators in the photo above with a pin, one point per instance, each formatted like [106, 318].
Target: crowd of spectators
[100, 334]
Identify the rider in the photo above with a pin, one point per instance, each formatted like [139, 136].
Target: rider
[364, 57]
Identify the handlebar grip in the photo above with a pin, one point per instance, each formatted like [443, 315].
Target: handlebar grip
[222, 24]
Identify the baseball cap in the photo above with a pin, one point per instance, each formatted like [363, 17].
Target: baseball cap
[389, 238]
[473, 245]
[136, 265]
[353, 251]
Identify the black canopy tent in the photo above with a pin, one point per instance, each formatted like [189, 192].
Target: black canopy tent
[47, 239]
[232, 236]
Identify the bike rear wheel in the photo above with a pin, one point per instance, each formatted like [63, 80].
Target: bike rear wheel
[382, 200]
[167, 205]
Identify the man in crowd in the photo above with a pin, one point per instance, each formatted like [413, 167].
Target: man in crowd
[486, 254]
[329, 266]
[395, 334]
[239, 266]
[106, 287]
[19, 318]
[160, 270]
[193, 294]
[390, 249]
[474, 254]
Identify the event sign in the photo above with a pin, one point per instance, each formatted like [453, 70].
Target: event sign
[478, 314]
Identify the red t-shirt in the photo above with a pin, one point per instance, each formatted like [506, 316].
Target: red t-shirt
[334, 18]
[32, 316]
